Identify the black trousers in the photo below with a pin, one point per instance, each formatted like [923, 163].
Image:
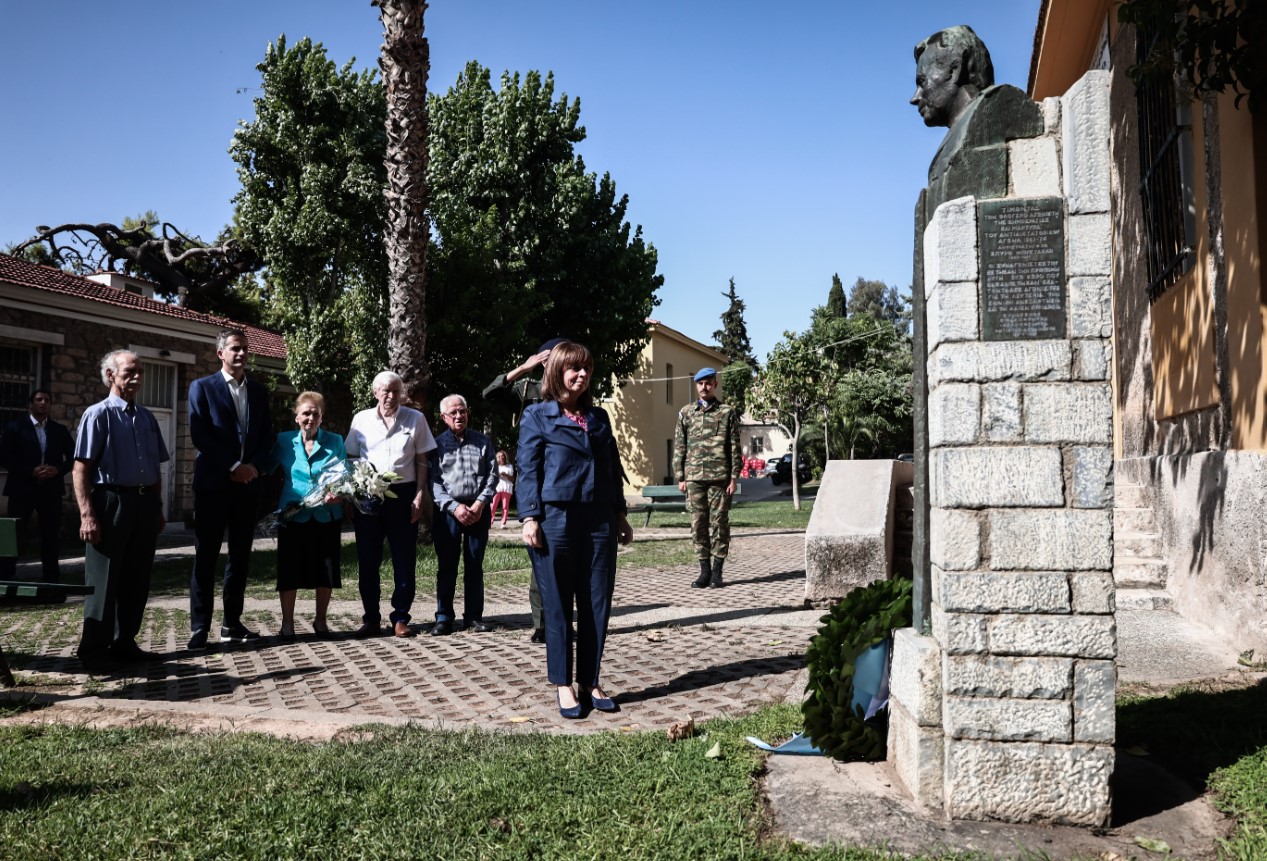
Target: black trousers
[118, 568]
[232, 511]
[47, 508]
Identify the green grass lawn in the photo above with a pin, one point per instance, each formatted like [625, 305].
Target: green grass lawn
[390, 793]
[771, 514]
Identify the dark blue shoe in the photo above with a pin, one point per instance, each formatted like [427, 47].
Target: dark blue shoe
[602, 704]
[570, 713]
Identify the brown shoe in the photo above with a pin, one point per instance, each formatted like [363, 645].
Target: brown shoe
[401, 629]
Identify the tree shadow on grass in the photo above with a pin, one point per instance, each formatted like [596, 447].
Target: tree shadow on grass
[1190, 733]
[23, 795]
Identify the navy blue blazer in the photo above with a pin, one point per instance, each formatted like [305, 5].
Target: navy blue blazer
[20, 455]
[560, 463]
[213, 426]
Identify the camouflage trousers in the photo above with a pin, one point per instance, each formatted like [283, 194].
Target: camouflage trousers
[709, 505]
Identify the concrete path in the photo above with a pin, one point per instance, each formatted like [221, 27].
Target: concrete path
[673, 651]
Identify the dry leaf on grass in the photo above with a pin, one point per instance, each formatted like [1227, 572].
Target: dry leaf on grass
[682, 729]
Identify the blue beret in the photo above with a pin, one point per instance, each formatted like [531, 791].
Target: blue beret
[704, 374]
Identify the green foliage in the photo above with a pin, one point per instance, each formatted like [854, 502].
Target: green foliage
[879, 301]
[732, 340]
[1214, 45]
[866, 616]
[312, 206]
[531, 244]
[836, 305]
[871, 405]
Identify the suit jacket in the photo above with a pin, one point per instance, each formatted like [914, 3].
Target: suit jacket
[20, 455]
[213, 426]
[561, 463]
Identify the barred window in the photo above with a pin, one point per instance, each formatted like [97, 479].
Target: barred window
[1165, 169]
[18, 377]
[158, 385]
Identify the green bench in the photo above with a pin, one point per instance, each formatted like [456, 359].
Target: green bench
[25, 589]
[664, 497]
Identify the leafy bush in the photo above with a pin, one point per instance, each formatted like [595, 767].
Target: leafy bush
[865, 617]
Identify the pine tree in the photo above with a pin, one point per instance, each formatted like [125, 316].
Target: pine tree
[733, 343]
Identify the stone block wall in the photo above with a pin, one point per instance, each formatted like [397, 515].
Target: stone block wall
[1020, 510]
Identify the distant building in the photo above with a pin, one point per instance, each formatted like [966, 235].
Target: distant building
[55, 327]
[644, 409]
[763, 439]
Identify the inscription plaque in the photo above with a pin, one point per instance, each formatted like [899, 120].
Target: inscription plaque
[1022, 246]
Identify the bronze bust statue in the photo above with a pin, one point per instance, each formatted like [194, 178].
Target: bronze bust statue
[952, 68]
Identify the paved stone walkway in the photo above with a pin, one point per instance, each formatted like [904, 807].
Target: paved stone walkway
[672, 651]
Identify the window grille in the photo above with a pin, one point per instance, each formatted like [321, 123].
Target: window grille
[18, 377]
[158, 389]
[1165, 167]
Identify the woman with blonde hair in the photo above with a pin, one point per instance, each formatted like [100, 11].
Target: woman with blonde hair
[309, 541]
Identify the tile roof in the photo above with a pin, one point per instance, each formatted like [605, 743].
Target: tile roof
[15, 270]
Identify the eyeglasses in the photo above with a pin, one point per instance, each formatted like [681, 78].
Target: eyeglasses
[457, 412]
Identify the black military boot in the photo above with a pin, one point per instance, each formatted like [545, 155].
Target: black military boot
[705, 575]
[715, 576]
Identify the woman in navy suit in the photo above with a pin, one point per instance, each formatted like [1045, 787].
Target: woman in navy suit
[308, 543]
[572, 504]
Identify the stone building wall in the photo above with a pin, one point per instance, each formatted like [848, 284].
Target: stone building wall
[1004, 709]
[71, 371]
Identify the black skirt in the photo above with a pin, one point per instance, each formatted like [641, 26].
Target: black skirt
[308, 555]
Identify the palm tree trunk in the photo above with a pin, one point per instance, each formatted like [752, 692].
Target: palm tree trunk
[405, 61]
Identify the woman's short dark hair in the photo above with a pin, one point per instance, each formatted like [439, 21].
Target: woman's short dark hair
[565, 355]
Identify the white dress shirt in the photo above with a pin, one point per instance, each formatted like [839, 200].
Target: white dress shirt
[396, 449]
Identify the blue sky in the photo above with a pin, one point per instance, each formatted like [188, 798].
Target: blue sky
[768, 142]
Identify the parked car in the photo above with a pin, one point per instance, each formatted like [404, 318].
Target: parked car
[783, 470]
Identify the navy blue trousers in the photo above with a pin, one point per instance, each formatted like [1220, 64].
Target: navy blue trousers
[118, 567]
[233, 511]
[576, 573]
[390, 524]
[454, 541]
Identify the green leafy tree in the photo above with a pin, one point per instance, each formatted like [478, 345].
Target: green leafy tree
[531, 244]
[311, 205]
[836, 305]
[732, 339]
[797, 379]
[870, 407]
[1214, 45]
[879, 301]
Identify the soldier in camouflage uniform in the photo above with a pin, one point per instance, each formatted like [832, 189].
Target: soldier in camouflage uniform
[706, 463]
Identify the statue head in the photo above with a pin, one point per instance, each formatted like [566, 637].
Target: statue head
[952, 67]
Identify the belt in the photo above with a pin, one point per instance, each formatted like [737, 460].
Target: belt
[138, 490]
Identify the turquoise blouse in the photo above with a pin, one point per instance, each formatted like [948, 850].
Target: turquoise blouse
[300, 471]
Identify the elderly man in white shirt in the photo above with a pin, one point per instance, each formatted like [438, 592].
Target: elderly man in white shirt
[393, 438]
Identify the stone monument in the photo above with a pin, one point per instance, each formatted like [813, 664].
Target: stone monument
[1003, 691]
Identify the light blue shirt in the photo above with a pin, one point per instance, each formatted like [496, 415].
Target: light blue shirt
[124, 446]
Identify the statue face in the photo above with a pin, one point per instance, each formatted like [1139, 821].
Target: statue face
[936, 87]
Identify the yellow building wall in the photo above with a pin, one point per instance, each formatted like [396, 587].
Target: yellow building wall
[1243, 153]
[644, 409]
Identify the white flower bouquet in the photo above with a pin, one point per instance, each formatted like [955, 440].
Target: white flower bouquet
[357, 482]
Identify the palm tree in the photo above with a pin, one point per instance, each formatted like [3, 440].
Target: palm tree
[405, 61]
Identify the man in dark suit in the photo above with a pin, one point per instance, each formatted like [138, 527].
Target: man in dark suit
[37, 452]
[232, 429]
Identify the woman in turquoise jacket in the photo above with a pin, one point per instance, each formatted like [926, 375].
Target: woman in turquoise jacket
[308, 542]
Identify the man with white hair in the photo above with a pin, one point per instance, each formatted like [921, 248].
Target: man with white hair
[463, 469]
[118, 487]
[393, 438]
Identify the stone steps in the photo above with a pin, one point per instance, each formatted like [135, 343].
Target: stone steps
[1144, 599]
[1138, 568]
